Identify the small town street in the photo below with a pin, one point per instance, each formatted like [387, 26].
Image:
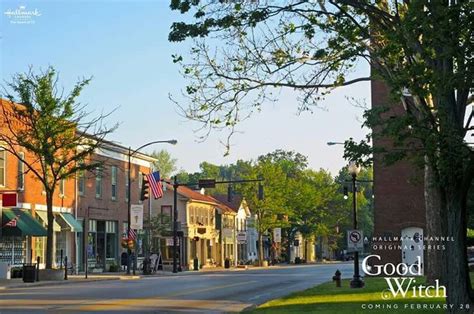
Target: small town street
[203, 292]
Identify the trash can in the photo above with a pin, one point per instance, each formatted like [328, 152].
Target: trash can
[29, 272]
[196, 263]
[227, 263]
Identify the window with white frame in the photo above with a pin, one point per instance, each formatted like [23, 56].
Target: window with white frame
[114, 182]
[21, 171]
[81, 182]
[3, 163]
[62, 187]
[98, 182]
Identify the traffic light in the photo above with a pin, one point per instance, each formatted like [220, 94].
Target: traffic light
[145, 194]
[346, 193]
[261, 195]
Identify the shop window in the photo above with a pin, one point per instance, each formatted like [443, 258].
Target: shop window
[91, 245]
[60, 245]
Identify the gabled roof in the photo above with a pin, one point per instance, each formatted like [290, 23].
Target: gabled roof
[197, 196]
[237, 202]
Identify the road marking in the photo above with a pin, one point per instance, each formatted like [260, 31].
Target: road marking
[104, 305]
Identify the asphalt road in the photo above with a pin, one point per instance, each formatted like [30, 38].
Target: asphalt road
[204, 292]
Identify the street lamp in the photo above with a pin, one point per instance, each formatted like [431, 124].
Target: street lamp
[130, 155]
[354, 170]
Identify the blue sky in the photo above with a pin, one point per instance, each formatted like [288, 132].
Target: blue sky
[123, 45]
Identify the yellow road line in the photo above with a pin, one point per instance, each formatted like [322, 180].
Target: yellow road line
[116, 304]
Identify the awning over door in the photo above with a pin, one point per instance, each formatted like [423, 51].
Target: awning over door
[44, 217]
[68, 222]
[26, 225]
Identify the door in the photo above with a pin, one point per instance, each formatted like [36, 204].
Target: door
[412, 249]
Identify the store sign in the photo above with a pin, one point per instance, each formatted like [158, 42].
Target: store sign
[9, 199]
[242, 237]
[136, 216]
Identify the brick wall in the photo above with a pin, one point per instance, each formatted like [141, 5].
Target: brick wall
[398, 188]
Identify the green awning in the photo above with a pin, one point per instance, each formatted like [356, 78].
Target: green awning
[44, 217]
[26, 225]
[68, 222]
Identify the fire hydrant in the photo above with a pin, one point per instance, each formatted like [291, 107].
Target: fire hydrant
[337, 278]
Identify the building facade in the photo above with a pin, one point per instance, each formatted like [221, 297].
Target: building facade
[102, 206]
[399, 206]
[206, 228]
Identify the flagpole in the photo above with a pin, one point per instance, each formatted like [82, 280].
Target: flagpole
[130, 154]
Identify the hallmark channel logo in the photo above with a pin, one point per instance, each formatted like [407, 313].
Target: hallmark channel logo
[22, 15]
[401, 280]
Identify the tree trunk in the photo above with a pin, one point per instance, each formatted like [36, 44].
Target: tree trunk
[49, 239]
[435, 260]
[260, 248]
[457, 279]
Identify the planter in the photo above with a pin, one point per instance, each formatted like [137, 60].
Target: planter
[51, 274]
[265, 264]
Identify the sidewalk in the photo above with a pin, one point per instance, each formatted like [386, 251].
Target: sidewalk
[18, 282]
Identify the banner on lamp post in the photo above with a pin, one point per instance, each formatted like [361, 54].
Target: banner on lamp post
[136, 217]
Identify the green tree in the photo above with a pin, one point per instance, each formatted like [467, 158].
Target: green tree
[54, 129]
[165, 163]
[271, 208]
[421, 48]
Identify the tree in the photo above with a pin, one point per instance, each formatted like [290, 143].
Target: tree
[165, 163]
[54, 128]
[271, 208]
[421, 48]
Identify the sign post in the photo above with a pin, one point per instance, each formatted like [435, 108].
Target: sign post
[355, 241]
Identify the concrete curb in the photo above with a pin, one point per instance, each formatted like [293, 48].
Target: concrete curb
[66, 282]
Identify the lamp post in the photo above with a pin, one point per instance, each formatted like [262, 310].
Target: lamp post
[354, 170]
[130, 155]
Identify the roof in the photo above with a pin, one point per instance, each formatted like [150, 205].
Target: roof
[235, 204]
[197, 196]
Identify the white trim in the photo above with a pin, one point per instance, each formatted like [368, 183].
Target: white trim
[57, 209]
[24, 205]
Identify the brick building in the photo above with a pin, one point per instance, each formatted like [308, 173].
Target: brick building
[91, 209]
[27, 240]
[399, 208]
[102, 205]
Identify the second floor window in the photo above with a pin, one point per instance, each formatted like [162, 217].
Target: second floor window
[98, 182]
[114, 182]
[3, 162]
[81, 182]
[62, 188]
[21, 172]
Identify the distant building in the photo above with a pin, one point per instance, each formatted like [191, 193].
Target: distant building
[247, 236]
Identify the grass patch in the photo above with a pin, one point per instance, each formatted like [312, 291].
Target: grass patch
[326, 298]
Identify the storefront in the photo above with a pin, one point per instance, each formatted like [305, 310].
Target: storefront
[19, 231]
[102, 245]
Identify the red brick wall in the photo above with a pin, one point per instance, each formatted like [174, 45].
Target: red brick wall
[398, 188]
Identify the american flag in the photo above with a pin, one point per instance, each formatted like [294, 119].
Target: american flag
[132, 234]
[155, 184]
[11, 223]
